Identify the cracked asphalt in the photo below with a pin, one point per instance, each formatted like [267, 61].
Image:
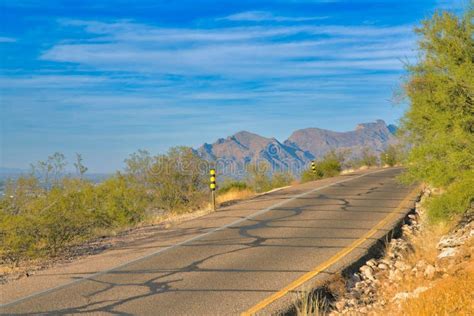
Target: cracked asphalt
[227, 268]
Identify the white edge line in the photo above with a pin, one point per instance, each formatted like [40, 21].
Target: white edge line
[263, 211]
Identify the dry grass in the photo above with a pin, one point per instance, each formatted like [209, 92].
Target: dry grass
[308, 304]
[453, 295]
[234, 195]
[449, 294]
[319, 301]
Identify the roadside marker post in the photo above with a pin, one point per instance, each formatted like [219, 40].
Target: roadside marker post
[212, 186]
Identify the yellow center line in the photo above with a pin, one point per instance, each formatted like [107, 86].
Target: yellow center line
[323, 266]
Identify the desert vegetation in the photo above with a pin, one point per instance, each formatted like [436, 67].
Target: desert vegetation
[334, 162]
[439, 124]
[330, 165]
[43, 213]
[47, 211]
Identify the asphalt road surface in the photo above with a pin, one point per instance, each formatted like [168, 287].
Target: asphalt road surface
[248, 257]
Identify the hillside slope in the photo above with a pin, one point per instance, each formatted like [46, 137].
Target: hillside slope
[234, 152]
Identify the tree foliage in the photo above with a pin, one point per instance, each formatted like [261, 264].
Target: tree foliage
[44, 213]
[439, 123]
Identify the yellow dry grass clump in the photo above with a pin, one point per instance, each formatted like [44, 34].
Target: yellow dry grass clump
[453, 295]
[234, 195]
[451, 292]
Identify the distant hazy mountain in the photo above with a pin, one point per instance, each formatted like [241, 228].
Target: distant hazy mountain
[299, 149]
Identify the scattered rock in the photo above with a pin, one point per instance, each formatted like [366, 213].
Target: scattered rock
[367, 272]
[362, 296]
[402, 266]
[382, 266]
[447, 252]
[406, 295]
[449, 242]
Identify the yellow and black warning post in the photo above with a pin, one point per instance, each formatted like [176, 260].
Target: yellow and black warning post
[212, 185]
[313, 166]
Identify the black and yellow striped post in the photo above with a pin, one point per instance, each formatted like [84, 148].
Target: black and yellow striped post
[313, 167]
[212, 186]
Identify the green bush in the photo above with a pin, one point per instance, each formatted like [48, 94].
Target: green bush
[261, 179]
[233, 185]
[281, 179]
[258, 177]
[457, 198]
[329, 166]
[44, 214]
[179, 180]
[439, 124]
[390, 156]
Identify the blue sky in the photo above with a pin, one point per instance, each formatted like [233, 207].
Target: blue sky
[105, 78]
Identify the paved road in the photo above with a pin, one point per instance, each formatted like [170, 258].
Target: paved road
[230, 261]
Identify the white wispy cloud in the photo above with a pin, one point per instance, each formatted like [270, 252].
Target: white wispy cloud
[4, 39]
[270, 51]
[264, 16]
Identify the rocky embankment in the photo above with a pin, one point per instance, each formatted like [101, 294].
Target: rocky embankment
[411, 265]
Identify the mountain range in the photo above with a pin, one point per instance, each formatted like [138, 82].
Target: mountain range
[231, 154]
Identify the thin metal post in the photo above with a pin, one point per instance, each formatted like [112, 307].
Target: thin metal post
[213, 200]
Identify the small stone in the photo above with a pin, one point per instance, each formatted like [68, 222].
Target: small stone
[367, 272]
[356, 278]
[402, 266]
[382, 266]
[360, 285]
[447, 252]
[371, 263]
[385, 261]
[449, 242]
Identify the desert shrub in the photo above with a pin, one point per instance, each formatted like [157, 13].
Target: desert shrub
[368, 158]
[119, 202]
[44, 214]
[258, 177]
[233, 186]
[439, 123]
[280, 179]
[179, 180]
[390, 156]
[70, 212]
[308, 175]
[457, 198]
[329, 166]
[18, 237]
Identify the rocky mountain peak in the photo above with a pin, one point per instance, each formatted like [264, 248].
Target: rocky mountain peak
[300, 148]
